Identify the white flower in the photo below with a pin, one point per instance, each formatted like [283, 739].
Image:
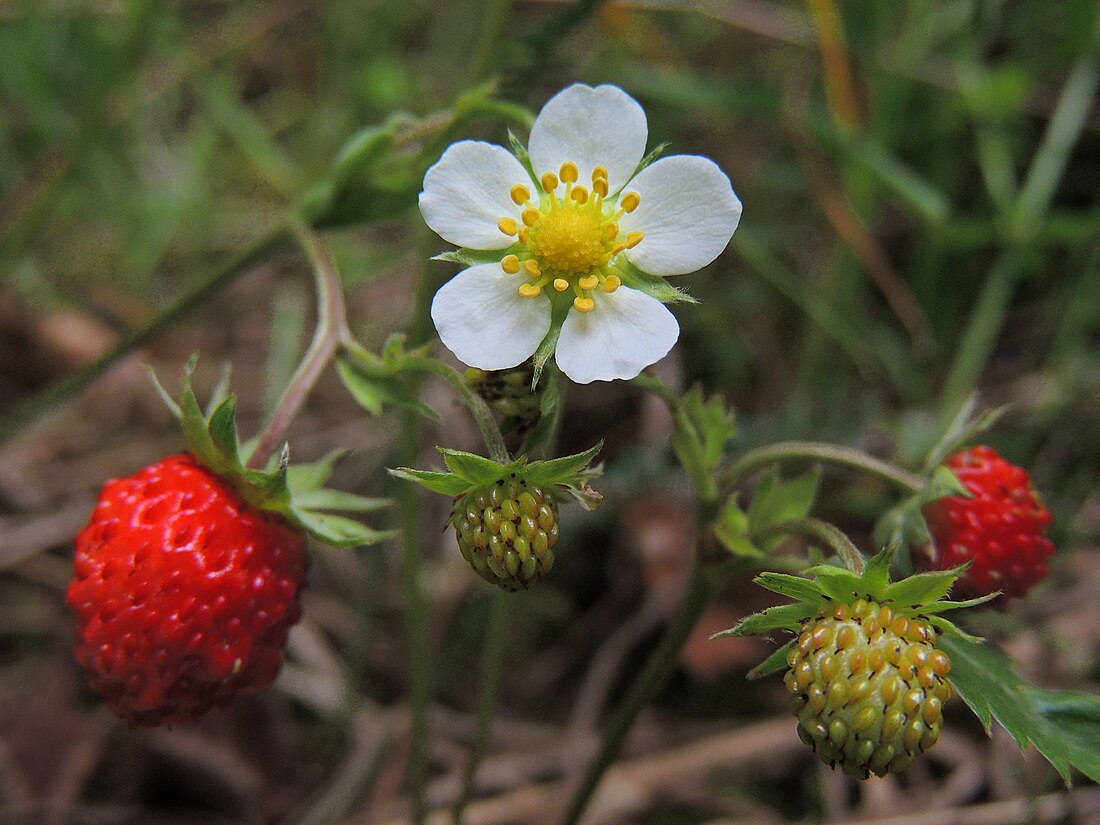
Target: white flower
[570, 251]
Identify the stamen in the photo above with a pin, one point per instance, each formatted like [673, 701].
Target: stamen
[599, 186]
[630, 201]
[520, 194]
[569, 172]
[510, 264]
[612, 283]
[523, 235]
[617, 248]
[599, 172]
[549, 182]
[560, 284]
[530, 215]
[507, 226]
[532, 267]
[611, 231]
[579, 194]
[530, 290]
[584, 304]
[588, 282]
[633, 239]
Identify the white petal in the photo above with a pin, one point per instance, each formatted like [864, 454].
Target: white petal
[467, 191]
[626, 332]
[591, 127]
[485, 322]
[688, 213]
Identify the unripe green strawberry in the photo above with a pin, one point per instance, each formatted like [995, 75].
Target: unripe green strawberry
[869, 687]
[507, 531]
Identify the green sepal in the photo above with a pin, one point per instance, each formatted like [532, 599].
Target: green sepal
[794, 587]
[731, 528]
[948, 627]
[877, 571]
[964, 428]
[944, 605]
[559, 311]
[781, 617]
[570, 474]
[474, 257]
[653, 285]
[776, 662]
[376, 381]
[704, 428]
[1064, 726]
[922, 588]
[838, 583]
[648, 160]
[296, 493]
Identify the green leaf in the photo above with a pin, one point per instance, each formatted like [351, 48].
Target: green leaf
[1063, 726]
[474, 468]
[374, 391]
[703, 432]
[775, 501]
[732, 529]
[446, 483]
[653, 285]
[777, 661]
[780, 617]
[795, 587]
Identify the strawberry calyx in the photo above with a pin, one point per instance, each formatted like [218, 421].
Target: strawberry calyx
[921, 596]
[297, 493]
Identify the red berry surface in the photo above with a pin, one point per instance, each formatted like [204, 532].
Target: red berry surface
[1002, 528]
[183, 593]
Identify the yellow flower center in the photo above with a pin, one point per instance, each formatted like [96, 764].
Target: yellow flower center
[571, 241]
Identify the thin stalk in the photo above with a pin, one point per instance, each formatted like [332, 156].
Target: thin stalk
[492, 664]
[479, 410]
[275, 239]
[332, 329]
[658, 668]
[823, 533]
[825, 453]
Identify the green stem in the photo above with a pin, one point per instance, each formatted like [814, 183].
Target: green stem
[658, 668]
[492, 664]
[825, 453]
[493, 22]
[275, 239]
[332, 329]
[824, 533]
[479, 410]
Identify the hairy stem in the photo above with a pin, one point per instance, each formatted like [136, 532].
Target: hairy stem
[479, 410]
[825, 453]
[825, 534]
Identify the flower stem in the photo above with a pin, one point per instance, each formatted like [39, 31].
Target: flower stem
[662, 661]
[332, 329]
[492, 662]
[824, 533]
[479, 410]
[825, 453]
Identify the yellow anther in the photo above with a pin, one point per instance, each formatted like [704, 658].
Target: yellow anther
[507, 226]
[599, 172]
[579, 194]
[520, 194]
[610, 231]
[510, 264]
[617, 248]
[530, 290]
[530, 215]
[599, 186]
[584, 304]
[612, 283]
[633, 239]
[569, 172]
[630, 201]
[560, 284]
[588, 282]
[549, 182]
[532, 267]
[523, 235]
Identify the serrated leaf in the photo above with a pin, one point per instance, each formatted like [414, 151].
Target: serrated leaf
[337, 530]
[563, 470]
[777, 661]
[339, 500]
[474, 468]
[1063, 726]
[446, 483]
[780, 617]
[775, 501]
[795, 587]
[920, 589]
[653, 285]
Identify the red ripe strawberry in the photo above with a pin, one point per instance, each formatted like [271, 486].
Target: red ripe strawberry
[183, 593]
[1002, 528]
